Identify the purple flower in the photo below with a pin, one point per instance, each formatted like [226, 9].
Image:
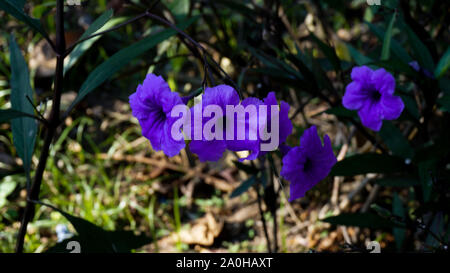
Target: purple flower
[212, 150]
[372, 94]
[247, 124]
[285, 124]
[415, 65]
[247, 144]
[151, 104]
[306, 165]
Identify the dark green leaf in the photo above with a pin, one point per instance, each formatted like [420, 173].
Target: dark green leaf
[24, 129]
[421, 52]
[364, 220]
[15, 8]
[427, 172]
[443, 65]
[248, 169]
[395, 140]
[396, 66]
[397, 182]
[368, 163]
[243, 187]
[341, 112]
[445, 102]
[104, 71]
[359, 58]
[411, 106]
[329, 52]
[399, 211]
[79, 50]
[387, 39]
[94, 239]
[438, 228]
[396, 47]
[239, 7]
[8, 114]
[384, 213]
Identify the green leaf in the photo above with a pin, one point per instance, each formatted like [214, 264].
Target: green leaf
[24, 129]
[384, 213]
[329, 52]
[443, 65]
[94, 239]
[248, 169]
[397, 181]
[438, 228]
[421, 52]
[427, 171]
[15, 8]
[363, 220]
[105, 70]
[80, 49]
[387, 39]
[399, 211]
[411, 106]
[396, 66]
[368, 163]
[239, 7]
[6, 188]
[341, 111]
[396, 47]
[395, 140]
[444, 101]
[8, 114]
[357, 56]
[243, 187]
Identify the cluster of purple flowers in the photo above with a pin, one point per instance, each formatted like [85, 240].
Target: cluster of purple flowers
[371, 93]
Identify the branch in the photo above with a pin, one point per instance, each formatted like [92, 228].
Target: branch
[53, 123]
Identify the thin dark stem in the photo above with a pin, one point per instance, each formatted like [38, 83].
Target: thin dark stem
[261, 213]
[40, 117]
[196, 44]
[274, 212]
[33, 192]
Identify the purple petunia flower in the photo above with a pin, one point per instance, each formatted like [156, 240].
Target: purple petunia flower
[246, 125]
[221, 95]
[306, 165]
[247, 144]
[151, 104]
[372, 94]
[285, 124]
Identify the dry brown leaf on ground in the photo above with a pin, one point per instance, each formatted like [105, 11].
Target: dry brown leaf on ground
[202, 232]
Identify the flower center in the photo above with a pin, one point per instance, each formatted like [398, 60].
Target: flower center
[307, 165]
[160, 115]
[375, 95]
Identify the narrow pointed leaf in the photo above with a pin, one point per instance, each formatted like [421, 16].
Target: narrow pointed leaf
[387, 39]
[80, 49]
[8, 114]
[107, 69]
[368, 163]
[15, 8]
[443, 65]
[24, 129]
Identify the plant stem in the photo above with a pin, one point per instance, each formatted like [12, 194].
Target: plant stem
[53, 123]
[274, 213]
[261, 213]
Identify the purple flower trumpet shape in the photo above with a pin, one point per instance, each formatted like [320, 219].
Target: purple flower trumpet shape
[152, 104]
[306, 165]
[371, 93]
